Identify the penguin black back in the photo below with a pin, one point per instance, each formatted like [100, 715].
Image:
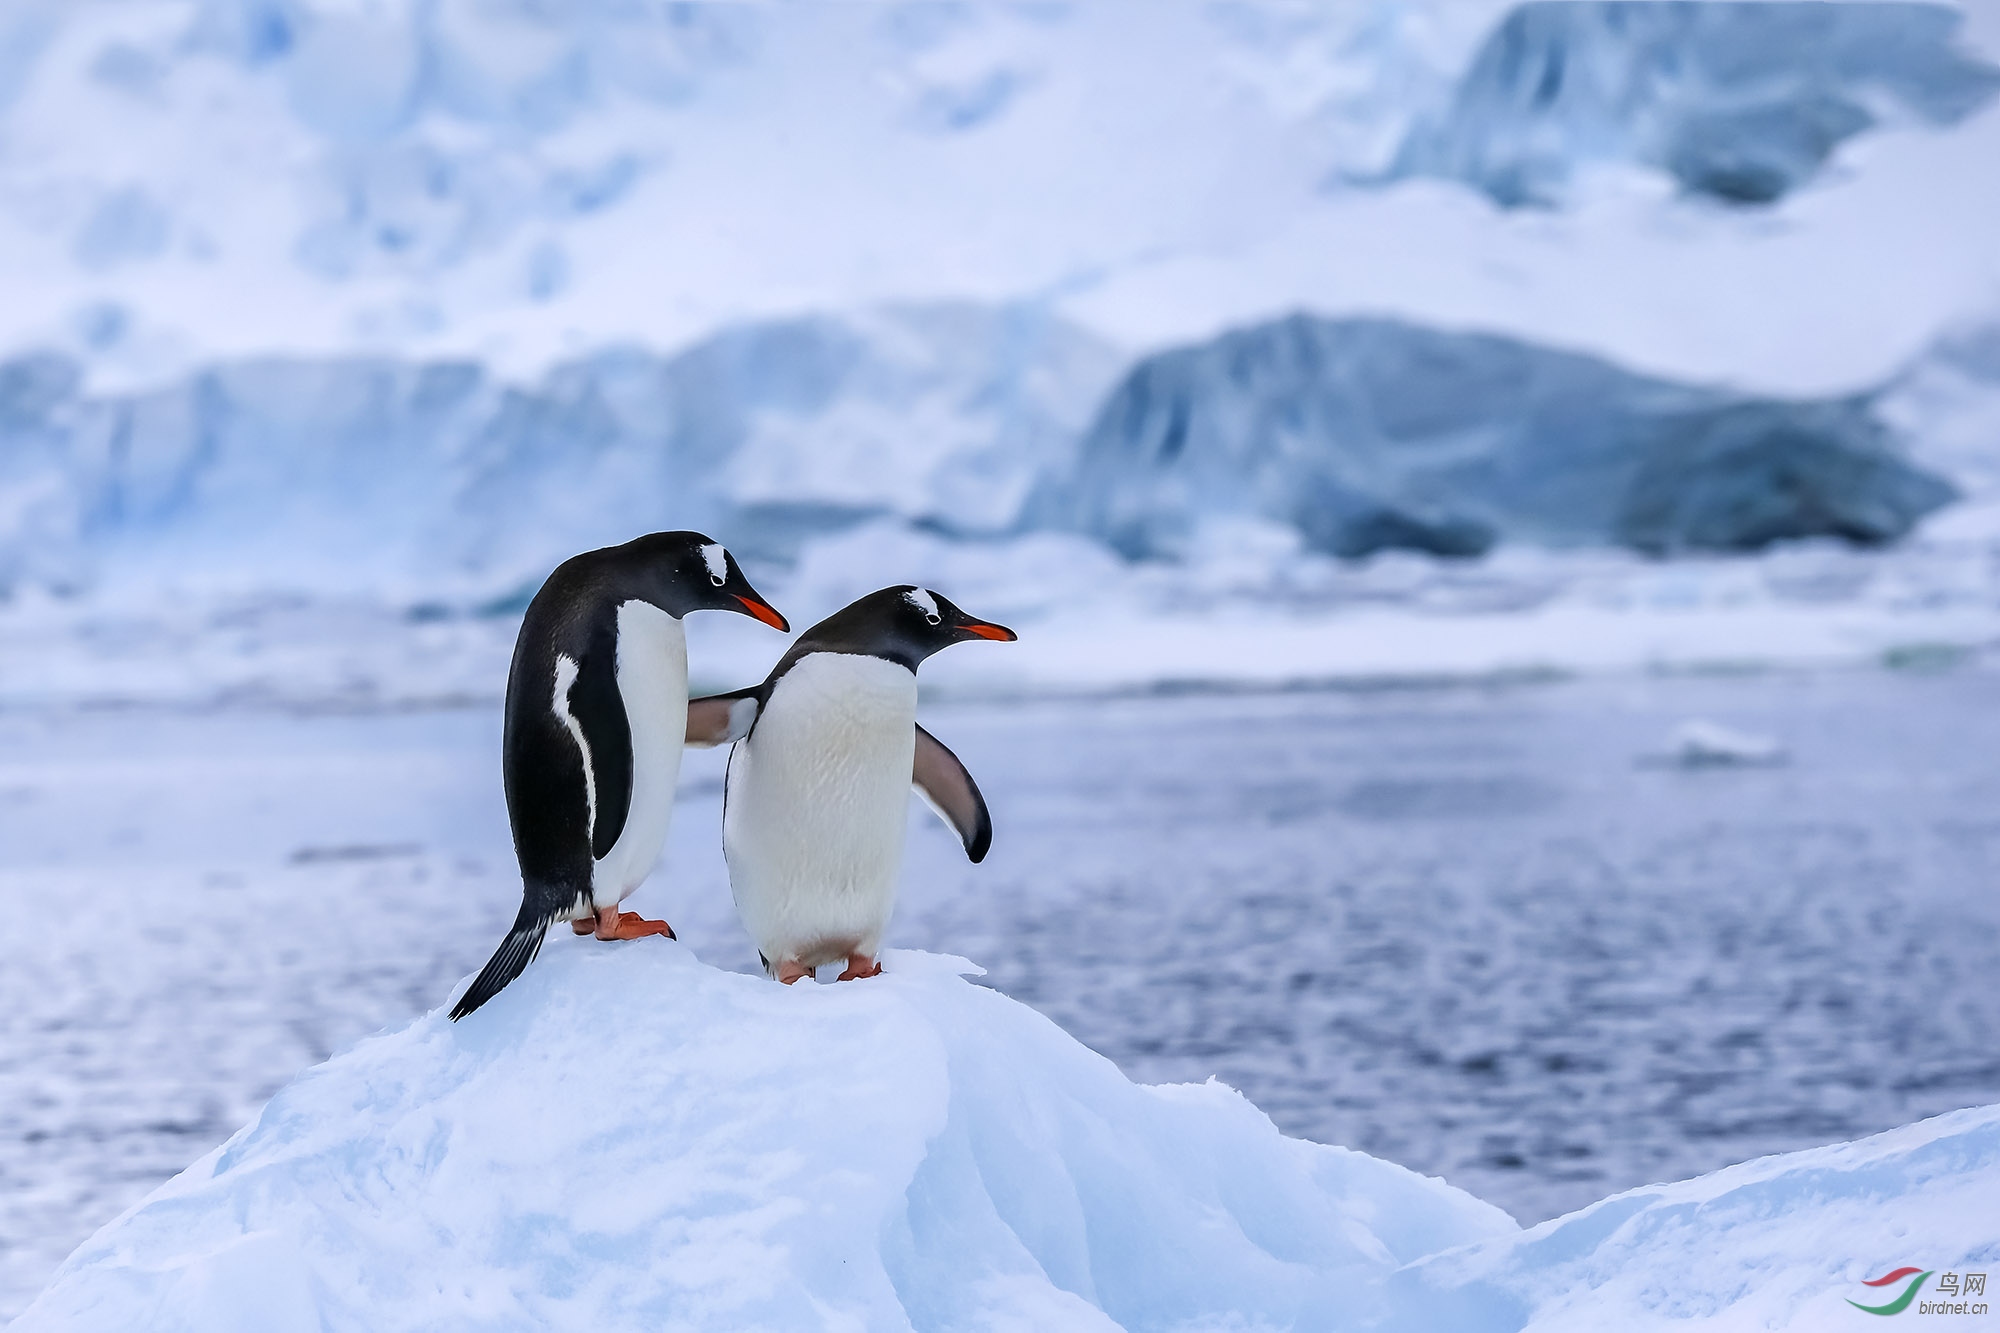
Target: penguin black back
[567, 760]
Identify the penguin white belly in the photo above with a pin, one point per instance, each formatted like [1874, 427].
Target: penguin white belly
[652, 683]
[818, 800]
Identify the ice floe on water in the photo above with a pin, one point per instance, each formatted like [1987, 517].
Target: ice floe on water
[629, 1138]
[1700, 743]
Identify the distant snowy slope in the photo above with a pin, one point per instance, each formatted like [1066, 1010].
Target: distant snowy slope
[189, 180]
[1739, 101]
[1366, 435]
[912, 1151]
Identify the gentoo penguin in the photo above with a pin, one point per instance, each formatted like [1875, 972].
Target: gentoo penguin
[815, 801]
[591, 753]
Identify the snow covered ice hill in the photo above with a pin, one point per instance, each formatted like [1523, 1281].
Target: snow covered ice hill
[920, 1152]
[724, 1153]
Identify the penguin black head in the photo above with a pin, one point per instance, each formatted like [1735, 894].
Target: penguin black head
[904, 624]
[681, 572]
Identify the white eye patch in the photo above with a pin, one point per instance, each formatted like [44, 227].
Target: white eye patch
[924, 602]
[717, 561]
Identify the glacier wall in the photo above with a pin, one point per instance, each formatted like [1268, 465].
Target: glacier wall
[384, 474]
[1740, 102]
[1372, 434]
[416, 480]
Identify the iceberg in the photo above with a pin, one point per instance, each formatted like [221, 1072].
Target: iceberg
[1369, 434]
[1738, 102]
[627, 1138]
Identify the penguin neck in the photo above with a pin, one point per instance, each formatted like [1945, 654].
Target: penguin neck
[895, 654]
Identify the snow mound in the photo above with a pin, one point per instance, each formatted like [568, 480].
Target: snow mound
[626, 1138]
[1741, 102]
[1373, 434]
[1779, 1243]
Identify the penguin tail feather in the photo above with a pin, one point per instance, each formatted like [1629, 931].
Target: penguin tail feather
[523, 942]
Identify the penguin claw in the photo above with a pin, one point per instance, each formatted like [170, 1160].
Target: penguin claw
[789, 972]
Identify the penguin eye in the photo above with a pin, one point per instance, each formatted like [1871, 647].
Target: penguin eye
[717, 580]
[932, 617]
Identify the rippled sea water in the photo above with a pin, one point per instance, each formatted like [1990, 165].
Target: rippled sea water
[1485, 932]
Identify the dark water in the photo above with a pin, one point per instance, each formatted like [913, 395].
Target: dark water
[1468, 930]
[1474, 933]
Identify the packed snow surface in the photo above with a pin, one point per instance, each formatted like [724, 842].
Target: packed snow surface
[627, 1138]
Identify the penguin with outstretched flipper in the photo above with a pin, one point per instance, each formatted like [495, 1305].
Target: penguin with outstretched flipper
[596, 715]
[826, 751]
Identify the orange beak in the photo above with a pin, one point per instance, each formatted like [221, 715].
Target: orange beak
[985, 631]
[763, 611]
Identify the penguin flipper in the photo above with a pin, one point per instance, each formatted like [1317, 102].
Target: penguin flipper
[720, 719]
[947, 788]
[599, 711]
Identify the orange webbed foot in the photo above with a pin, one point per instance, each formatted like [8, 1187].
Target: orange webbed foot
[859, 967]
[616, 925]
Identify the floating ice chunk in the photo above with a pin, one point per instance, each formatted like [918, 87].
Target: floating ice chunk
[1698, 743]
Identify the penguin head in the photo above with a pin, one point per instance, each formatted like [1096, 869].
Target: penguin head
[681, 572]
[903, 624]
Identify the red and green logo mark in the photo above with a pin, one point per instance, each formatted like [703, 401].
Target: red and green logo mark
[1952, 1289]
[1902, 1301]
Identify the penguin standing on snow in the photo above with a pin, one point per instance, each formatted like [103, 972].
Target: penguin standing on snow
[596, 712]
[827, 749]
